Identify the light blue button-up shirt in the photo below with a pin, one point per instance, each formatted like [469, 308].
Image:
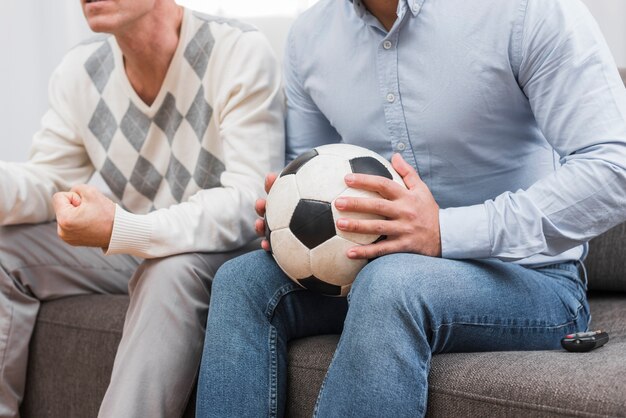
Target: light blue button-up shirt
[512, 111]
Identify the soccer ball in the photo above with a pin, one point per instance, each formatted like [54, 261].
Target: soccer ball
[300, 217]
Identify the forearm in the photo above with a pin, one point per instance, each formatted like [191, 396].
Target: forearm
[25, 194]
[214, 220]
[582, 199]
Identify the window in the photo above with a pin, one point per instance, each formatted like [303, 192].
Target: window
[249, 8]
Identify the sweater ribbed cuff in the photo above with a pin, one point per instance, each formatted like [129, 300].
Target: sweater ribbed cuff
[465, 233]
[131, 234]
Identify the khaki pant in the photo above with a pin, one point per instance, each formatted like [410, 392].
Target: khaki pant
[158, 357]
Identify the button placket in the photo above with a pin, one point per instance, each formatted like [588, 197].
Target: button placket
[389, 85]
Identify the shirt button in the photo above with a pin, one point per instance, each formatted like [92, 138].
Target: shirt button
[387, 44]
[391, 98]
[401, 146]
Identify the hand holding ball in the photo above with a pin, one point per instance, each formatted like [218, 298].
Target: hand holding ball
[301, 216]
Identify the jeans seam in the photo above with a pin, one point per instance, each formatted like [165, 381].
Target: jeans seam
[275, 299]
[563, 325]
[273, 375]
[272, 343]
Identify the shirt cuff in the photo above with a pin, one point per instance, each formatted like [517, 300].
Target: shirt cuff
[131, 233]
[465, 232]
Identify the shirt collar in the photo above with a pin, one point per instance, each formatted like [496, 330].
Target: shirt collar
[414, 6]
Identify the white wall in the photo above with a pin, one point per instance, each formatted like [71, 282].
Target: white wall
[611, 15]
[34, 35]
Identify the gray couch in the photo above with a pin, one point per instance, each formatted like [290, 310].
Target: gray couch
[74, 344]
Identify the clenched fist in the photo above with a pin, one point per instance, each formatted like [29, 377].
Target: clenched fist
[84, 216]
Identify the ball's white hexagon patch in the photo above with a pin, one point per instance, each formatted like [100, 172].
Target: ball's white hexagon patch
[330, 263]
[353, 236]
[322, 178]
[290, 254]
[345, 151]
[281, 202]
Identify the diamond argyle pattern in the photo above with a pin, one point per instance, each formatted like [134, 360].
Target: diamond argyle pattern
[160, 153]
[135, 125]
[199, 114]
[199, 50]
[168, 118]
[100, 65]
[178, 178]
[103, 125]
[145, 178]
[114, 178]
[208, 170]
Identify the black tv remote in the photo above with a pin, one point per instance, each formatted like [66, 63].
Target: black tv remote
[581, 342]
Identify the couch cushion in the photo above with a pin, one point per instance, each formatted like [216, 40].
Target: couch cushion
[75, 340]
[538, 384]
[606, 262]
[71, 356]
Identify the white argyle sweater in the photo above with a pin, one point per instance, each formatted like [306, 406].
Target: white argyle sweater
[186, 169]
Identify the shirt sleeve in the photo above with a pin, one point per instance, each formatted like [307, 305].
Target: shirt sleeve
[307, 127]
[579, 102]
[57, 160]
[250, 111]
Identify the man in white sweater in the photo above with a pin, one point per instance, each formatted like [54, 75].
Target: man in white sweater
[182, 115]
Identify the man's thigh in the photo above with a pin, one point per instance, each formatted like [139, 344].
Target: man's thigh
[480, 305]
[41, 264]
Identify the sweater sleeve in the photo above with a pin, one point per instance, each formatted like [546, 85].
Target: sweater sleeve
[57, 160]
[249, 107]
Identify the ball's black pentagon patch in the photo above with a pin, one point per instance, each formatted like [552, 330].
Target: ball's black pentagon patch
[295, 165]
[268, 233]
[312, 222]
[369, 165]
[316, 285]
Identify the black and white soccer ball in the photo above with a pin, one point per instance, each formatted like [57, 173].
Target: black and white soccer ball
[301, 216]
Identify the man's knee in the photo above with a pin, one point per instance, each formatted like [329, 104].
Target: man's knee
[402, 281]
[173, 274]
[253, 275]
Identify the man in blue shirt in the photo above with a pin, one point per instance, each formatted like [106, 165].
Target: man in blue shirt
[507, 121]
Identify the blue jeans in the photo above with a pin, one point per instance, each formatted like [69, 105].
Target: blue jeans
[403, 308]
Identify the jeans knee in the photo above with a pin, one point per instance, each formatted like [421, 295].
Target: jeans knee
[254, 276]
[229, 277]
[399, 282]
